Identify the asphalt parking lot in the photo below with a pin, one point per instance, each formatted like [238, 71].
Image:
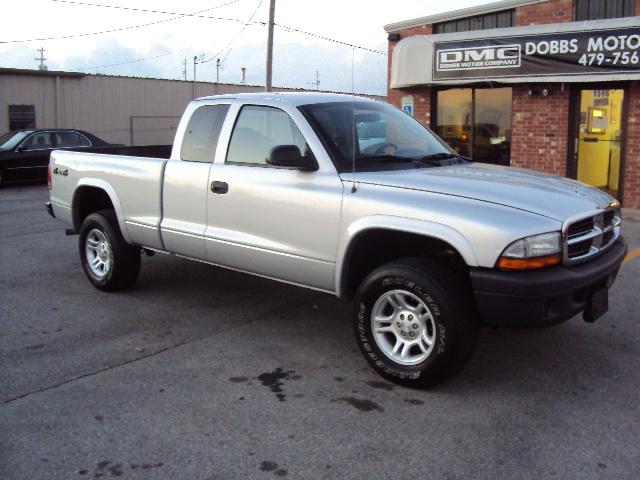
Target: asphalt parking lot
[200, 373]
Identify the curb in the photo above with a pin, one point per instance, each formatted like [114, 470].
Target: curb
[631, 213]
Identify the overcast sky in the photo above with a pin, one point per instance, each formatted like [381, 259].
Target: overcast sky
[165, 45]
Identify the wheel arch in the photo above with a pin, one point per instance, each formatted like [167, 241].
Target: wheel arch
[366, 235]
[92, 195]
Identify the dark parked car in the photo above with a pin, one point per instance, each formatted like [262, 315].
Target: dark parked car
[24, 154]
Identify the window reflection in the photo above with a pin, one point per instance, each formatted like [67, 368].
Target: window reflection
[454, 119]
[259, 129]
[476, 122]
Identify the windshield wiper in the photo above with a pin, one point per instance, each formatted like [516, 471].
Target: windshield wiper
[439, 158]
[387, 158]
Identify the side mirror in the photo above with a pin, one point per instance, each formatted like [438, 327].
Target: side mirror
[22, 148]
[289, 156]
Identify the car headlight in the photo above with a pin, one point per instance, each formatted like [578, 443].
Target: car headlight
[533, 252]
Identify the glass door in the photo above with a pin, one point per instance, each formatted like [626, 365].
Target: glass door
[598, 141]
[454, 120]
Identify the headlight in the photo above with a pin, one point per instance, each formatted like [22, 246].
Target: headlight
[533, 252]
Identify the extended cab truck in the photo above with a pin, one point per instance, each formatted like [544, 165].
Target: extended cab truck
[351, 197]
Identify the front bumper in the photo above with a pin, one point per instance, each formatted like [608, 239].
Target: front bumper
[542, 297]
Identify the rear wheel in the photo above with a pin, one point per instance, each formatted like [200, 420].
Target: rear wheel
[108, 261]
[414, 322]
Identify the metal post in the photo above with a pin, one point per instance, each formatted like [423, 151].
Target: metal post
[57, 102]
[272, 12]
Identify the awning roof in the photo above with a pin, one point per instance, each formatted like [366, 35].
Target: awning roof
[413, 58]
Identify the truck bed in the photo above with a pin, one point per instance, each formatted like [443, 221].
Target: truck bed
[132, 182]
[147, 151]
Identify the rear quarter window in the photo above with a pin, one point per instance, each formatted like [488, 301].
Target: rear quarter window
[201, 137]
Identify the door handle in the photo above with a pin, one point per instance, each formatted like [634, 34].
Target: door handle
[219, 187]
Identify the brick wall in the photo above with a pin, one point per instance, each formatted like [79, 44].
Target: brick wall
[539, 129]
[421, 102]
[632, 159]
[421, 95]
[552, 11]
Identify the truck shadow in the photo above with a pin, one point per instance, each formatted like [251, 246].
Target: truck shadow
[574, 355]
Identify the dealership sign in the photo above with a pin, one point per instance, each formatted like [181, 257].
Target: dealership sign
[570, 53]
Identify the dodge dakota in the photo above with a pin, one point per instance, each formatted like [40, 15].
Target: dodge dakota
[352, 197]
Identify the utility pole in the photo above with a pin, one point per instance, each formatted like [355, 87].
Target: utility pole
[184, 70]
[41, 59]
[196, 60]
[272, 13]
[317, 82]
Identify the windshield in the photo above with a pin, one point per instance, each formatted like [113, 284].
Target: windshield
[385, 137]
[8, 141]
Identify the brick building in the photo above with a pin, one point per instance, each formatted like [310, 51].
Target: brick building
[552, 85]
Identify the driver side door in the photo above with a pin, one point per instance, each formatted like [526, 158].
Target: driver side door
[272, 221]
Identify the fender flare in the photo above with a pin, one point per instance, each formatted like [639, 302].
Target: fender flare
[425, 228]
[113, 196]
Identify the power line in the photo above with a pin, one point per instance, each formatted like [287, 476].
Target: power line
[128, 61]
[198, 15]
[121, 29]
[284, 27]
[146, 10]
[328, 39]
[246, 24]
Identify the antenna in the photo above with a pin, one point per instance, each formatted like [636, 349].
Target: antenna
[353, 127]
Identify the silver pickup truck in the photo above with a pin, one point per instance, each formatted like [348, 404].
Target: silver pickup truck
[352, 197]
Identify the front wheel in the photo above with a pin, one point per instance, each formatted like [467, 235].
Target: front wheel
[108, 261]
[415, 322]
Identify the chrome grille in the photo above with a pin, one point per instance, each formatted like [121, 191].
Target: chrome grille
[587, 236]
[580, 227]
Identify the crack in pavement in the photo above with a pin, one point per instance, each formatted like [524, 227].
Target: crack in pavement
[259, 318]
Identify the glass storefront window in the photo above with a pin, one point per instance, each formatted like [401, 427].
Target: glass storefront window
[454, 119]
[476, 122]
[492, 136]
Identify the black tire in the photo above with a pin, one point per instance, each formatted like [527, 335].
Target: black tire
[454, 330]
[124, 266]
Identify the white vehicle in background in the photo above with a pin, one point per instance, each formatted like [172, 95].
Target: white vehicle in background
[354, 198]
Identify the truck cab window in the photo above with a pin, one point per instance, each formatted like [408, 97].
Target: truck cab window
[259, 129]
[201, 137]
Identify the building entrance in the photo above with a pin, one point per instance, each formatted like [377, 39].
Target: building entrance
[597, 145]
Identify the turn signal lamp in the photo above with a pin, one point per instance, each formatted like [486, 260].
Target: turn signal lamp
[531, 253]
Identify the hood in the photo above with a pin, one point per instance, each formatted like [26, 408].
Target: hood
[540, 193]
